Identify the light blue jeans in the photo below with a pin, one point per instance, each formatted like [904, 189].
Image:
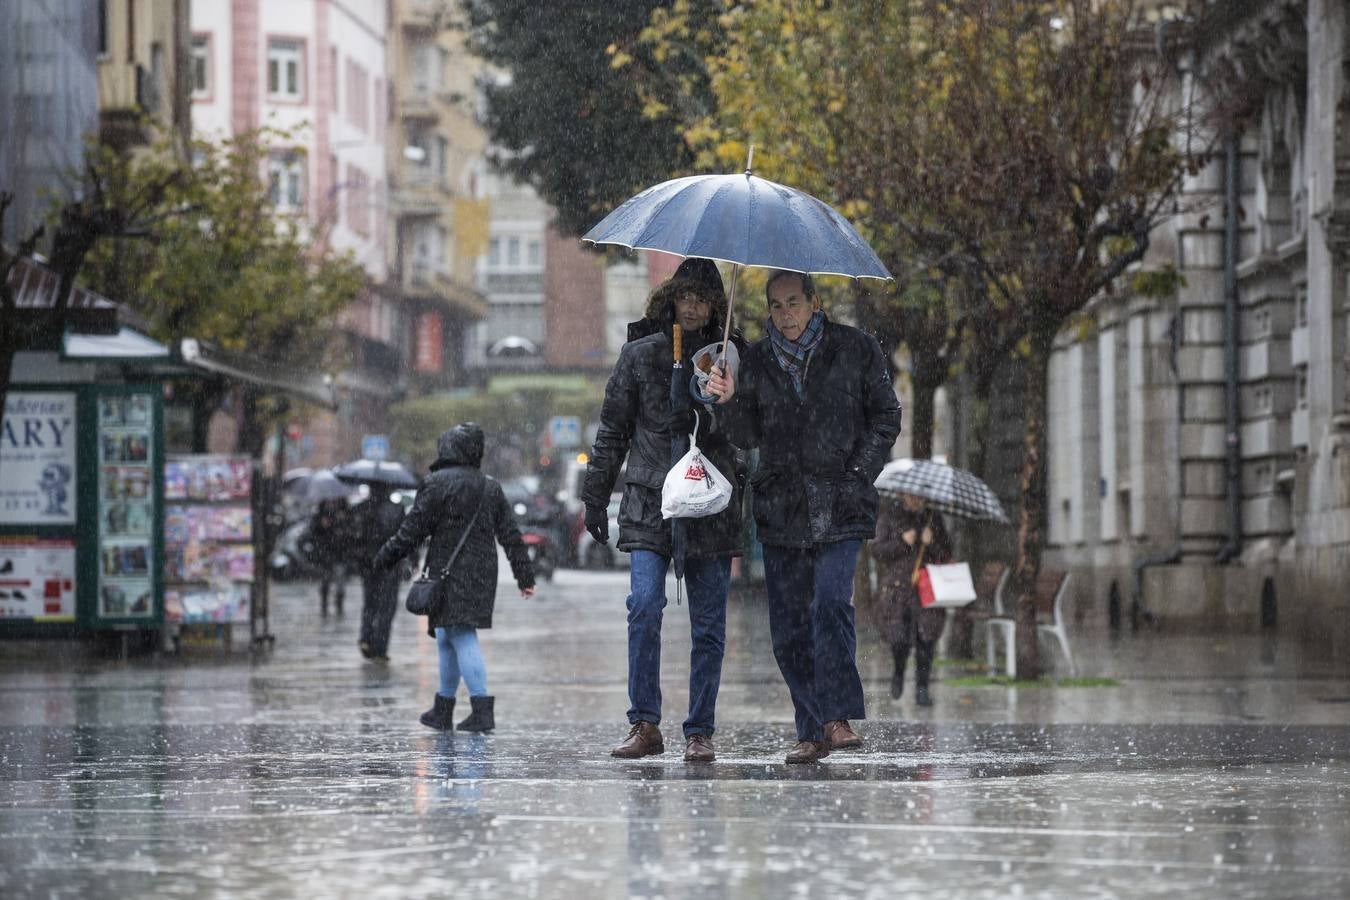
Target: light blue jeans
[461, 656]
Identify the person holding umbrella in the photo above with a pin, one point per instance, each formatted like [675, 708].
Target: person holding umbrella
[912, 533]
[909, 536]
[639, 422]
[816, 398]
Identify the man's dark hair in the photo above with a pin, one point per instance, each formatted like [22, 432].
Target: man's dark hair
[808, 286]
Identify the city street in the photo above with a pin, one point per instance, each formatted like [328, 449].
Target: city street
[1217, 767]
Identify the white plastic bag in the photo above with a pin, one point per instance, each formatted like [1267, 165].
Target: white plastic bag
[952, 584]
[693, 487]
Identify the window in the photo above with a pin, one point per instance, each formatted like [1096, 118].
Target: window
[358, 95]
[442, 156]
[513, 252]
[286, 181]
[285, 69]
[201, 65]
[494, 253]
[533, 255]
[102, 27]
[333, 78]
[1301, 386]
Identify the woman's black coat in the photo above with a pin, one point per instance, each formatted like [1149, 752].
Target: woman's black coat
[445, 502]
[635, 422]
[818, 453]
[896, 611]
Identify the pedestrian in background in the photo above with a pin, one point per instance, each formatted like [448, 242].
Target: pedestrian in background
[909, 536]
[816, 398]
[379, 517]
[456, 500]
[332, 544]
[636, 423]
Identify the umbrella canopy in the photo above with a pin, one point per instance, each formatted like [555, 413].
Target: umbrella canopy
[368, 471]
[324, 485]
[946, 488]
[740, 219]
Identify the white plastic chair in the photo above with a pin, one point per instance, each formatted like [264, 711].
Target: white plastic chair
[1004, 624]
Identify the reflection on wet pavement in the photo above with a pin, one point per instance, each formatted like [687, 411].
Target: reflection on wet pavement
[306, 773]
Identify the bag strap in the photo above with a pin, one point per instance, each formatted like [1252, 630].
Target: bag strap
[918, 562]
[454, 554]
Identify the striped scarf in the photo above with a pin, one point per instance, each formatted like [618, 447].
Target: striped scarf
[793, 355]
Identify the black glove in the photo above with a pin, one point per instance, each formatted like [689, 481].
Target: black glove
[597, 523]
[680, 421]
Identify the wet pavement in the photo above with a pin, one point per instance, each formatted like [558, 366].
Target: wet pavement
[1219, 766]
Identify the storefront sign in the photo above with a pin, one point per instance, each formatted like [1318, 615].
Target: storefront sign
[37, 579]
[37, 459]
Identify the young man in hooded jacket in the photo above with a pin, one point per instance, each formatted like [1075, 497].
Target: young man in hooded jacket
[816, 398]
[636, 423]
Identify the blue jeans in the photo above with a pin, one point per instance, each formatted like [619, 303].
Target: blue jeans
[461, 655]
[812, 624]
[707, 581]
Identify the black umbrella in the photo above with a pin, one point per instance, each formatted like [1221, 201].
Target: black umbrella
[368, 471]
[324, 485]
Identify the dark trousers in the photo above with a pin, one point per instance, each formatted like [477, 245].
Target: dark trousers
[811, 620]
[379, 603]
[707, 581]
[923, 660]
[334, 581]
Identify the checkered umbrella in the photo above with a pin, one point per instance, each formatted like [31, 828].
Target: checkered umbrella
[946, 488]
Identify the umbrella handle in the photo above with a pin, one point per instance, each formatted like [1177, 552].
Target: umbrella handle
[731, 303]
[677, 342]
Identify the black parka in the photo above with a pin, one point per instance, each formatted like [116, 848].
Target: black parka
[445, 502]
[819, 453]
[635, 423]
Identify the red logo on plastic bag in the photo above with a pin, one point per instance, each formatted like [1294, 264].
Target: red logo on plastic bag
[695, 472]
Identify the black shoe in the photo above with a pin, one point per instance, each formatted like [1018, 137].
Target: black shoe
[921, 696]
[481, 717]
[365, 649]
[898, 684]
[441, 714]
[6, 567]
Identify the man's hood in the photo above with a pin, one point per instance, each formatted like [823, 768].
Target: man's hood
[460, 446]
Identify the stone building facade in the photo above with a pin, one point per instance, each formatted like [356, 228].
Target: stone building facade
[1205, 511]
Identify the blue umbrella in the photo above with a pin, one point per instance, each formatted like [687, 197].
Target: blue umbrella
[744, 220]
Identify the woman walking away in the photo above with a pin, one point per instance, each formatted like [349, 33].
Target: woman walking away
[456, 496]
[909, 536]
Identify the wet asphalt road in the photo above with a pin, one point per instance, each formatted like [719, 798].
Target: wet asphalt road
[1218, 767]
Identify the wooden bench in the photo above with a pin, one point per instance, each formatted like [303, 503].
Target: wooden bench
[1052, 586]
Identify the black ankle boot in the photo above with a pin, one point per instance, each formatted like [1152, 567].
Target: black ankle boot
[441, 714]
[481, 717]
[898, 683]
[921, 696]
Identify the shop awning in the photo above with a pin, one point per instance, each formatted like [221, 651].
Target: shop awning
[195, 358]
[126, 345]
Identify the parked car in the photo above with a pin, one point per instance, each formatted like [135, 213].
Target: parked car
[603, 556]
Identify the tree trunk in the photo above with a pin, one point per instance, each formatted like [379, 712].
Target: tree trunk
[928, 375]
[961, 642]
[1031, 526]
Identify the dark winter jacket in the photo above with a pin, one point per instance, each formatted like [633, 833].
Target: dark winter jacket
[380, 520]
[635, 422]
[445, 503]
[896, 611]
[820, 453]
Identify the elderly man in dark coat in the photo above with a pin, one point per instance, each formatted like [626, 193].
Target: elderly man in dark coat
[456, 496]
[816, 398]
[636, 423]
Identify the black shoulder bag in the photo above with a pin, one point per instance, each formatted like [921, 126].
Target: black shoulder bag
[424, 594]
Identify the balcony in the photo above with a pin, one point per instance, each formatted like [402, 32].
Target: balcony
[419, 105]
[495, 283]
[424, 15]
[432, 281]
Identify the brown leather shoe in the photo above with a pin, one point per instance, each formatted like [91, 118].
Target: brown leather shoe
[644, 739]
[698, 748]
[840, 736]
[809, 752]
